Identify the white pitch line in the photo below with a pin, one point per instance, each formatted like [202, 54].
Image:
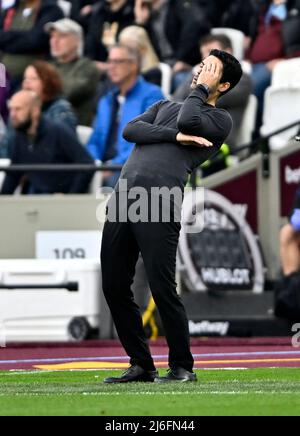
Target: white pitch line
[117, 394]
[22, 372]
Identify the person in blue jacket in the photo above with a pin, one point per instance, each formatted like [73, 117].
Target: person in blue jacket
[130, 97]
[290, 241]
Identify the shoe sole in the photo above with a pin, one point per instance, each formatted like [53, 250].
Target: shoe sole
[111, 382]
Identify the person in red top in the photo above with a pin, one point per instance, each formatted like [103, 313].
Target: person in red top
[23, 39]
[275, 37]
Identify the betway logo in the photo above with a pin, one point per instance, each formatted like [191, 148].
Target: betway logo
[292, 176]
[209, 328]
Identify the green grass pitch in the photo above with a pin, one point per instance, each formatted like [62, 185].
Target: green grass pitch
[274, 392]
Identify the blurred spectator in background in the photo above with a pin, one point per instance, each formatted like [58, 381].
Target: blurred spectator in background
[81, 8]
[131, 97]
[4, 95]
[22, 35]
[4, 90]
[137, 38]
[3, 151]
[79, 75]
[41, 141]
[175, 28]
[290, 241]
[82, 11]
[235, 14]
[107, 19]
[234, 102]
[287, 289]
[275, 36]
[44, 79]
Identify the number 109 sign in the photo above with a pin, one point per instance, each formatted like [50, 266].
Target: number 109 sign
[68, 245]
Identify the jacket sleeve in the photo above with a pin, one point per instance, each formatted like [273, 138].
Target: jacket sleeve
[76, 154]
[156, 95]
[12, 180]
[82, 84]
[195, 119]
[142, 131]
[32, 41]
[94, 145]
[63, 112]
[122, 157]
[10, 184]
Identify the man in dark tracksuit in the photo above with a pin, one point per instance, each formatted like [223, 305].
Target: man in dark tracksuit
[170, 145]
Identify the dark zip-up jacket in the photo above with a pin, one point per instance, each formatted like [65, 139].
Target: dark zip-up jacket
[55, 143]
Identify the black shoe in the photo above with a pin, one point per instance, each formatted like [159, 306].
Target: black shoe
[179, 375]
[135, 374]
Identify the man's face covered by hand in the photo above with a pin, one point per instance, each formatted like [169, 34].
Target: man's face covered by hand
[210, 73]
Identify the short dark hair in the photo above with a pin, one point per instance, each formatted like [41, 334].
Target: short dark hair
[232, 69]
[224, 41]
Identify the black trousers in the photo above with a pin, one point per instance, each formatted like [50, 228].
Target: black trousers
[157, 242]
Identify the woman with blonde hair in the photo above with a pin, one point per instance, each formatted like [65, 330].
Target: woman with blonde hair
[137, 37]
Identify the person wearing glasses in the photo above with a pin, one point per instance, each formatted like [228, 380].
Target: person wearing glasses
[130, 97]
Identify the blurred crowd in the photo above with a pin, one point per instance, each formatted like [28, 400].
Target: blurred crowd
[92, 66]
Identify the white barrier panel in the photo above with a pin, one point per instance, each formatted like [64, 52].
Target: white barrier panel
[25, 216]
[49, 300]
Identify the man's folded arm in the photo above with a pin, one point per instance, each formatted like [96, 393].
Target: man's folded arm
[195, 118]
[142, 131]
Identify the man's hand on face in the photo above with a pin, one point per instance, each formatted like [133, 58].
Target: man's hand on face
[210, 74]
[193, 140]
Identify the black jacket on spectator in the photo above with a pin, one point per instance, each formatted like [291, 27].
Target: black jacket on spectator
[77, 5]
[34, 41]
[237, 14]
[55, 143]
[185, 25]
[102, 14]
